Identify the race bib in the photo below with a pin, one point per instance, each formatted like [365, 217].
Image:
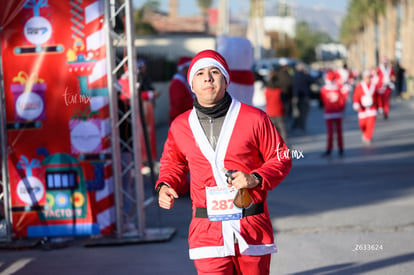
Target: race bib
[220, 205]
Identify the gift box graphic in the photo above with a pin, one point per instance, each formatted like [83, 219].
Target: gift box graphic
[28, 97]
[30, 189]
[85, 133]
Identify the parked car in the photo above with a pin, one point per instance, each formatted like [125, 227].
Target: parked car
[262, 67]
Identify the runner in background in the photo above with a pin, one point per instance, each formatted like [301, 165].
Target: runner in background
[365, 102]
[386, 84]
[333, 101]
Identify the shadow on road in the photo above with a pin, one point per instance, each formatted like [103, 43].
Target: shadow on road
[355, 268]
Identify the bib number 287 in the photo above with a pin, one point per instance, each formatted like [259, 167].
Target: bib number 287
[222, 204]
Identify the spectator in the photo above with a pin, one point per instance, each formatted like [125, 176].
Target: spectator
[181, 97]
[301, 95]
[147, 96]
[274, 103]
[400, 84]
[285, 82]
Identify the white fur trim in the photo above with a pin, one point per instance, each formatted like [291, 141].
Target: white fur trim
[219, 251]
[207, 62]
[367, 113]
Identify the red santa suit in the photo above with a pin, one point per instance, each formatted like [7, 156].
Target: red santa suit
[238, 53]
[333, 102]
[365, 103]
[181, 97]
[259, 149]
[386, 77]
[274, 104]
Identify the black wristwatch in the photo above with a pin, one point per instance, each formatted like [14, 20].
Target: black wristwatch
[258, 177]
[160, 185]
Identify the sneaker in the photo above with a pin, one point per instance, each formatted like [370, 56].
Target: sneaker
[326, 154]
[366, 141]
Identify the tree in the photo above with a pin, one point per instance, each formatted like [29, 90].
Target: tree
[307, 40]
[204, 6]
[142, 27]
[361, 28]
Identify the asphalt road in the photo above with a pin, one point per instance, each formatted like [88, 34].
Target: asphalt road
[349, 215]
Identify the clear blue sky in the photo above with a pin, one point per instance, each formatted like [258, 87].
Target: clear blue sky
[189, 7]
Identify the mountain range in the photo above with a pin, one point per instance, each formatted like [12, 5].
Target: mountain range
[318, 18]
[321, 19]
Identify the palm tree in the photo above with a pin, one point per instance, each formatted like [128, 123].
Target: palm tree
[360, 26]
[141, 27]
[204, 6]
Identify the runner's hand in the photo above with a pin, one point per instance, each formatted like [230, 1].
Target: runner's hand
[166, 197]
[242, 180]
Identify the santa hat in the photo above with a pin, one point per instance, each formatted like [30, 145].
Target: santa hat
[330, 76]
[183, 62]
[208, 58]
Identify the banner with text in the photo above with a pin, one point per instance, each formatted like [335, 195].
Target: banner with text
[57, 110]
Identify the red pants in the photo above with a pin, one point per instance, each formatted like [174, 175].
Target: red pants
[234, 265]
[367, 126]
[330, 124]
[384, 101]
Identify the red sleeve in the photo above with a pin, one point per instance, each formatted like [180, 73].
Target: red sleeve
[174, 166]
[275, 153]
[357, 94]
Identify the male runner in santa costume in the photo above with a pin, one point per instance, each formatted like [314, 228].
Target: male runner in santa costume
[221, 134]
[333, 101]
[181, 97]
[365, 103]
[386, 77]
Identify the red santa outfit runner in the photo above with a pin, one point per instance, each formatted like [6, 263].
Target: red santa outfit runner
[216, 160]
[221, 236]
[385, 74]
[181, 98]
[334, 102]
[218, 241]
[366, 105]
[367, 101]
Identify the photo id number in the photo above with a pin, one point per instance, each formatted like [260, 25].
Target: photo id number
[368, 247]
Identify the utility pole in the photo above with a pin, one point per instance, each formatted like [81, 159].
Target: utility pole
[223, 17]
[255, 29]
